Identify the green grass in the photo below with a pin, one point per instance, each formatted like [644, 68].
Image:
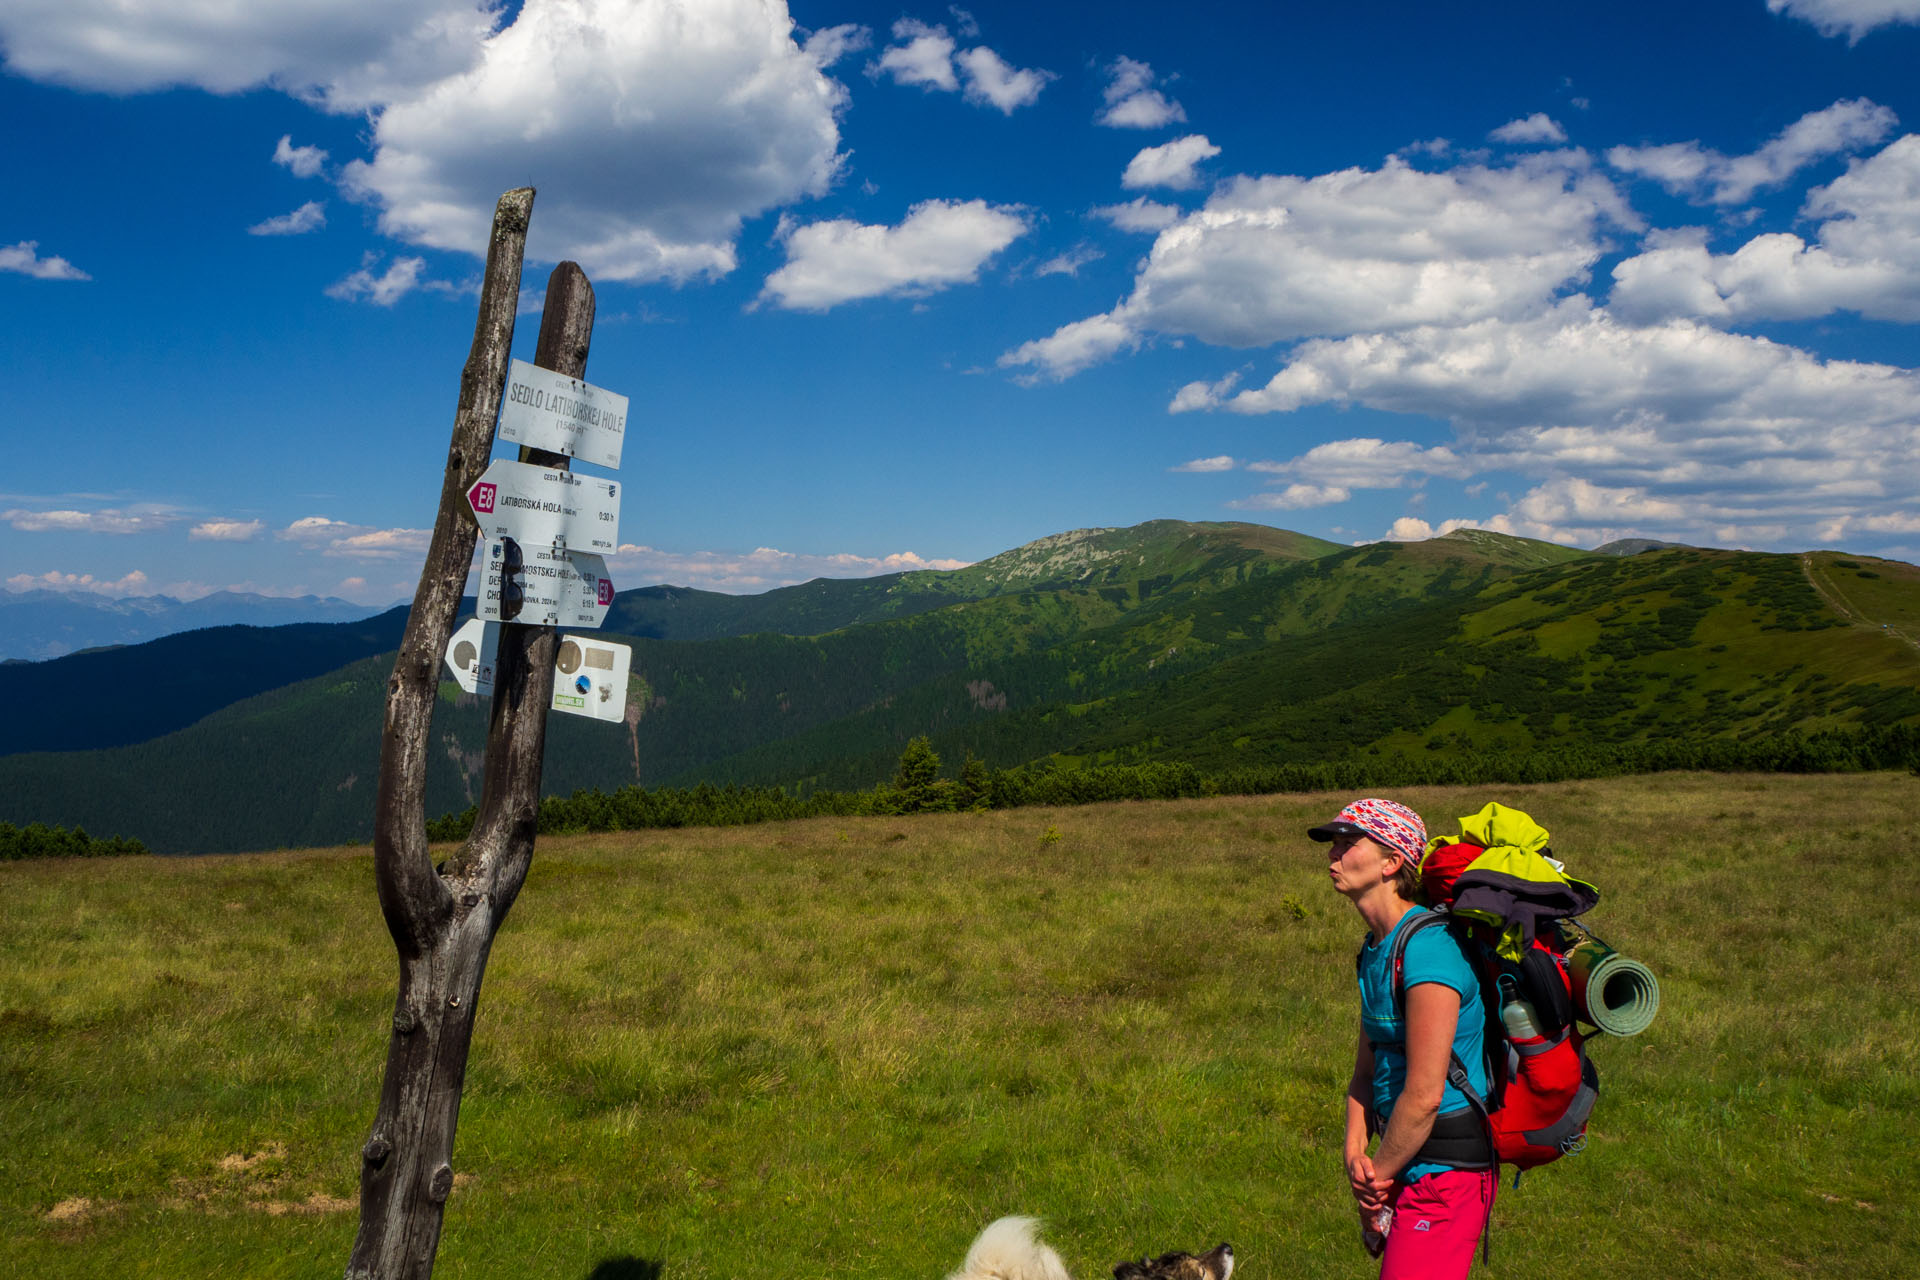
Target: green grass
[837, 1048]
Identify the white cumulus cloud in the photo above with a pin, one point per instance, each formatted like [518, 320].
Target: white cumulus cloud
[922, 56]
[305, 162]
[939, 243]
[346, 55]
[343, 538]
[310, 216]
[25, 259]
[1409, 529]
[653, 127]
[382, 544]
[1172, 164]
[827, 46]
[1865, 256]
[1538, 127]
[1414, 529]
[1140, 214]
[1272, 259]
[1851, 18]
[1676, 428]
[1295, 497]
[1369, 463]
[226, 530]
[383, 290]
[1203, 395]
[318, 531]
[1224, 462]
[1072, 347]
[991, 81]
[1070, 262]
[927, 55]
[656, 127]
[1688, 168]
[145, 518]
[1133, 102]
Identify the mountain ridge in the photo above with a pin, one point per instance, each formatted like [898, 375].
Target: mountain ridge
[1222, 655]
[41, 623]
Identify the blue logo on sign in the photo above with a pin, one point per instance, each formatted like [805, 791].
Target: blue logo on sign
[583, 684]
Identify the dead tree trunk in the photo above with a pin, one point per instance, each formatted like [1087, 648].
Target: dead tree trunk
[443, 919]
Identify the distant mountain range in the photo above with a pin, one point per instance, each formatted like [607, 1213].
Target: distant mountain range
[1218, 644]
[41, 624]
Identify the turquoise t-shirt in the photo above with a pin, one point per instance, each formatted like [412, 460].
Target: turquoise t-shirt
[1432, 956]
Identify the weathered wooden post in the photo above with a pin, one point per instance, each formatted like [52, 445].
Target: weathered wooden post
[443, 919]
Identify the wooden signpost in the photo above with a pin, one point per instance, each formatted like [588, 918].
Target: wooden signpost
[443, 918]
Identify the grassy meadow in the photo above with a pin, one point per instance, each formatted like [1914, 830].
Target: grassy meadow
[837, 1048]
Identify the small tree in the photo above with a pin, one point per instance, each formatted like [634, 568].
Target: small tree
[973, 782]
[917, 781]
[919, 766]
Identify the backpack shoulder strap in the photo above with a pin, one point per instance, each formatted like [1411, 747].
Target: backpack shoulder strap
[1457, 1074]
[1397, 958]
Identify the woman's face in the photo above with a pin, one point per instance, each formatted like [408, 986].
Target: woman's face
[1357, 863]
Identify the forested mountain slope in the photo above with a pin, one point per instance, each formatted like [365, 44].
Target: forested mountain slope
[1471, 641]
[137, 692]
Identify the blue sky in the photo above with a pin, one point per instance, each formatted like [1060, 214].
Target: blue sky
[903, 285]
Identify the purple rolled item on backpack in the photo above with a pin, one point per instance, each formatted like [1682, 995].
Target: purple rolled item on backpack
[1384, 821]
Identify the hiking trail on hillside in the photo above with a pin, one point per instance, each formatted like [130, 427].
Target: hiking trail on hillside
[1841, 605]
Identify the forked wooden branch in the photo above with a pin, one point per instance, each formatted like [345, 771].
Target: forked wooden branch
[443, 920]
[414, 900]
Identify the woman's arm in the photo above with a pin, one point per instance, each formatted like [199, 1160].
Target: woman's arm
[1433, 1013]
[1359, 1130]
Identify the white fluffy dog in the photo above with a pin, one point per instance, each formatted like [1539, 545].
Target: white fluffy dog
[1010, 1249]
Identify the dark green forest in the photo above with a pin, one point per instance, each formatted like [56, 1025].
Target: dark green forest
[919, 787]
[38, 840]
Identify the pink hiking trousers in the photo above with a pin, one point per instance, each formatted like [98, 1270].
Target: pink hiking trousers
[1437, 1223]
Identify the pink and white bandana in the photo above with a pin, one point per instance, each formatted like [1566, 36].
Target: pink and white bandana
[1391, 824]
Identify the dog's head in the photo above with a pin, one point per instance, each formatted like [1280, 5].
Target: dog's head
[1215, 1264]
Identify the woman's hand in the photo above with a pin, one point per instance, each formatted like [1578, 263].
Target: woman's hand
[1367, 1189]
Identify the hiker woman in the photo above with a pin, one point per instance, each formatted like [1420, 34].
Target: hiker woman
[1433, 1169]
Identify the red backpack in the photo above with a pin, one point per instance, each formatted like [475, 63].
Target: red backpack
[1543, 1084]
[1513, 910]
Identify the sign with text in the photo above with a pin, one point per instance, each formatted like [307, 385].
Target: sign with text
[549, 586]
[590, 678]
[548, 410]
[589, 675]
[545, 506]
[471, 655]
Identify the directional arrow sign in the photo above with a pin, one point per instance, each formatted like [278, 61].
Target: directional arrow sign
[548, 410]
[590, 678]
[545, 506]
[470, 655]
[559, 587]
[589, 675]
